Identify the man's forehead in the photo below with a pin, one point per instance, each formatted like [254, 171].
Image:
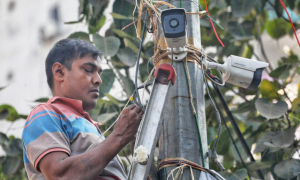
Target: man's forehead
[89, 60]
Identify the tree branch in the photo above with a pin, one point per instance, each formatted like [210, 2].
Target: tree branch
[107, 62]
[293, 75]
[12, 123]
[264, 53]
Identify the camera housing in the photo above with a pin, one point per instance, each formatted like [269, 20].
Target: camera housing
[174, 27]
[243, 72]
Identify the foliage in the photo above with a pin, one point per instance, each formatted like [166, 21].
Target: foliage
[266, 121]
[11, 164]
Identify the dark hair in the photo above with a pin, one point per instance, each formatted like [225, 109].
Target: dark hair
[65, 52]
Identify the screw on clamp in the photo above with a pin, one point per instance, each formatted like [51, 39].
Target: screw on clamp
[165, 73]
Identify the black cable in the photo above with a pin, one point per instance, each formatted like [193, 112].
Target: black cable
[224, 122]
[140, 87]
[213, 152]
[138, 63]
[236, 128]
[217, 112]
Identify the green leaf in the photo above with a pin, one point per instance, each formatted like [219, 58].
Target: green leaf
[13, 149]
[80, 35]
[220, 4]
[292, 3]
[128, 84]
[241, 8]
[127, 56]
[271, 110]
[112, 99]
[277, 28]
[12, 113]
[268, 89]
[149, 49]
[283, 139]
[291, 60]
[298, 69]
[100, 22]
[2, 159]
[92, 29]
[296, 105]
[144, 70]
[42, 100]
[74, 22]
[4, 114]
[117, 63]
[119, 16]
[11, 165]
[247, 52]
[245, 107]
[241, 150]
[98, 5]
[239, 174]
[224, 143]
[3, 139]
[260, 146]
[282, 72]
[133, 47]
[103, 118]
[287, 169]
[121, 34]
[125, 8]
[253, 166]
[108, 78]
[109, 46]
[240, 31]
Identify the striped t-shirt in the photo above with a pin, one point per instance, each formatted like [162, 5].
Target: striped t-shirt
[62, 125]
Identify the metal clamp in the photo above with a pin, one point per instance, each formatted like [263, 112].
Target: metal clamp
[165, 73]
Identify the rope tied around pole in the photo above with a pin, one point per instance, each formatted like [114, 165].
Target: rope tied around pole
[180, 164]
[194, 55]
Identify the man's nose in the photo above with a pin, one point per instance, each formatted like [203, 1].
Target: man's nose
[97, 79]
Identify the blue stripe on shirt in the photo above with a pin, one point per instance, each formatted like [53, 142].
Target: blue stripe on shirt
[40, 125]
[82, 125]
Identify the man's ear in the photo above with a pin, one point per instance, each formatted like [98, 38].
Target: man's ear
[58, 72]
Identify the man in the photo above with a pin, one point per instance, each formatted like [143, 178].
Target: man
[57, 134]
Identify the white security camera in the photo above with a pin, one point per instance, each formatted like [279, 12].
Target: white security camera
[174, 27]
[243, 72]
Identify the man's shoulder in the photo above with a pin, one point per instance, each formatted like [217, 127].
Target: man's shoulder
[42, 107]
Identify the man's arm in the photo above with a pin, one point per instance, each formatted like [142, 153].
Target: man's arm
[89, 165]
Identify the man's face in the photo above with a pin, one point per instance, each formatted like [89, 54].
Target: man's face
[83, 80]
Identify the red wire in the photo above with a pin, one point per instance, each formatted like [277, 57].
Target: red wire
[212, 24]
[290, 21]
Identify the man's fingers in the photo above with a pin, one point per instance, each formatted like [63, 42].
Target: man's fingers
[140, 115]
[132, 106]
[137, 109]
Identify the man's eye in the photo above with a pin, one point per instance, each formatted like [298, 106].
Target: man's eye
[88, 71]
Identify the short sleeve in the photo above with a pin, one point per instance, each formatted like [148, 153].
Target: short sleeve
[45, 131]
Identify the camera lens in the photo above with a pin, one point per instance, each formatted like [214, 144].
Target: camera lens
[173, 23]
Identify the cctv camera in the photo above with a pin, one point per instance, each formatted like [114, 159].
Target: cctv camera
[174, 27]
[243, 72]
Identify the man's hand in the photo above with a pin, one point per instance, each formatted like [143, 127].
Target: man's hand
[128, 124]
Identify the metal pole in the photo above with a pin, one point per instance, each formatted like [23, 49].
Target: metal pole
[179, 136]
